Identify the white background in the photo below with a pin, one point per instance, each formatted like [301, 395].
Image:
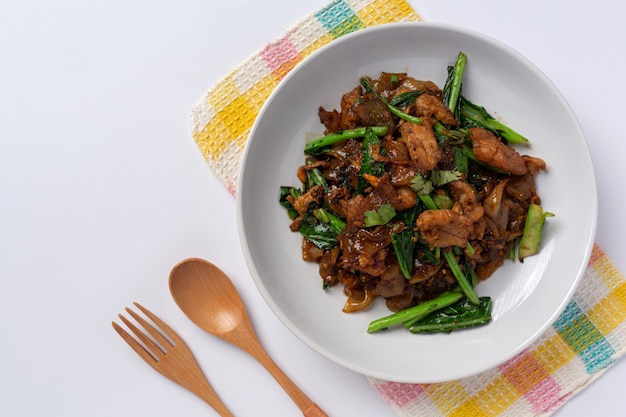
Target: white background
[102, 191]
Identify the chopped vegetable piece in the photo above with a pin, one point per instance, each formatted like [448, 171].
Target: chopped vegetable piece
[315, 177]
[442, 201]
[441, 177]
[368, 87]
[403, 244]
[330, 219]
[321, 235]
[460, 315]
[405, 99]
[318, 145]
[368, 165]
[421, 185]
[464, 283]
[453, 86]
[289, 191]
[474, 115]
[379, 217]
[529, 243]
[418, 311]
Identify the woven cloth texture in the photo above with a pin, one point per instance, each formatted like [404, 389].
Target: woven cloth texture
[588, 337]
[223, 118]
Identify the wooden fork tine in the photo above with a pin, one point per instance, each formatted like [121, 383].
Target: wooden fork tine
[141, 351]
[149, 345]
[150, 329]
[167, 330]
[176, 363]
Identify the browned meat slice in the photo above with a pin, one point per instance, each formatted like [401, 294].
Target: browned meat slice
[330, 119]
[346, 118]
[391, 283]
[349, 118]
[402, 301]
[302, 171]
[464, 194]
[444, 228]
[412, 84]
[373, 112]
[402, 175]
[301, 203]
[465, 203]
[424, 272]
[396, 150]
[521, 188]
[310, 252]
[400, 198]
[355, 209]
[534, 164]
[496, 208]
[429, 105]
[404, 198]
[422, 145]
[336, 199]
[365, 250]
[486, 269]
[489, 149]
[387, 83]
[328, 265]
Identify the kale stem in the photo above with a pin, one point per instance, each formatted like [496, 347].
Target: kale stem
[460, 315]
[529, 242]
[428, 201]
[316, 146]
[465, 285]
[456, 82]
[333, 221]
[477, 116]
[419, 311]
[370, 89]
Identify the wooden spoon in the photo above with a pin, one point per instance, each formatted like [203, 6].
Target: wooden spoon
[209, 299]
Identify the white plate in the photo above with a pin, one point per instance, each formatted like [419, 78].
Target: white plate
[527, 297]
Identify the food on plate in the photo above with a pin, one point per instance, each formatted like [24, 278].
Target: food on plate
[415, 194]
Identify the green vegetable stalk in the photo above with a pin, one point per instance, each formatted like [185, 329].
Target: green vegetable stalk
[419, 311]
[286, 191]
[320, 234]
[464, 283]
[335, 223]
[474, 115]
[462, 314]
[529, 242]
[394, 110]
[369, 165]
[403, 245]
[452, 88]
[405, 99]
[318, 145]
[315, 177]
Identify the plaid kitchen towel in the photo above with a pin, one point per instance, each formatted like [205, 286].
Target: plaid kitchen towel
[588, 337]
[223, 118]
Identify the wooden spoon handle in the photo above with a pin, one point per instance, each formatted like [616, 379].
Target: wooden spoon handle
[314, 411]
[308, 407]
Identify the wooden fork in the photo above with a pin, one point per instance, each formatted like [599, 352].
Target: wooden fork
[166, 352]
